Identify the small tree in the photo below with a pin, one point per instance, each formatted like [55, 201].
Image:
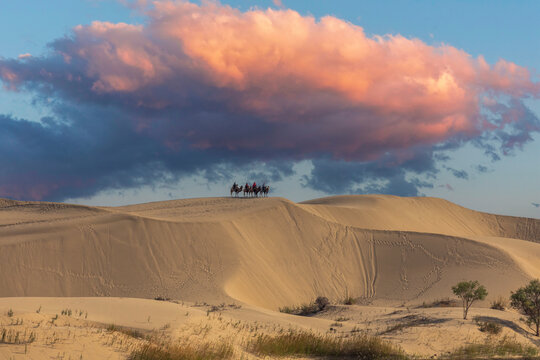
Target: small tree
[469, 292]
[527, 301]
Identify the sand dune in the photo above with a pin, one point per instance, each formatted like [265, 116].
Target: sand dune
[265, 252]
[390, 253]
[420, 214]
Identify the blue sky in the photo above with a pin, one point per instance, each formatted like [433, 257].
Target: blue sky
[494, 29]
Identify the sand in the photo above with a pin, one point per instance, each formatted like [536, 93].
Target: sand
[388, 252]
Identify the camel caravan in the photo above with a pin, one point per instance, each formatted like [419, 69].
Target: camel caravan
[250, 190]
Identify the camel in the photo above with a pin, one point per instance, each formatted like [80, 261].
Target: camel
[236, 190]
[247, 190]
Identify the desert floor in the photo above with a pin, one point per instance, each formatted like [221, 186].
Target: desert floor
[80, 282]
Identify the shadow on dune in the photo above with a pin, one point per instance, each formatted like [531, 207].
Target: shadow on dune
[511, 325]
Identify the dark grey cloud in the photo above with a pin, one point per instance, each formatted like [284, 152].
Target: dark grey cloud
[100, 150]
[381, 176]
[481, 168]
[536, 205]
[460, 174]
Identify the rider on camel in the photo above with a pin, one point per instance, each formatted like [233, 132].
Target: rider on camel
[247, 186]
[254, 185]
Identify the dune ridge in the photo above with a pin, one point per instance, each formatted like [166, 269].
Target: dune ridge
[266, 252]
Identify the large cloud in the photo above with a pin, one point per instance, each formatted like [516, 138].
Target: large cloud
[204, 86]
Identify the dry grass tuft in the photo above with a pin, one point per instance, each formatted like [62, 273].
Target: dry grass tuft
[499, 304]
[185, 352]
[495, 349]
[303, 343]
[131, 332]
[445, 302]
[11, 336]
[349, 301]
[307, 309]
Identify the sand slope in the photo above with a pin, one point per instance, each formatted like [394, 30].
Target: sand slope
[266, 252]
[84, 332]
[420, 214]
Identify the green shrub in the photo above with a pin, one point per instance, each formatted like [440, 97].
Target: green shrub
[490, 327]
[303, 343]
[527, 301]
[469, 292]
[322, 302]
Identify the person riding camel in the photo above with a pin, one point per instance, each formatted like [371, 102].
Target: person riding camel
[254, 185]
[235, 185]
[247, 186]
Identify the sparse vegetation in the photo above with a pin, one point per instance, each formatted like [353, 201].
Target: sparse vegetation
[408, 322]
[527, 301]
[493, 349]
[303, 309]
[499, 304]
[348, 299]
[220, 307]
[9, 313]
[303, 343]
[16, 337]
[445, 302]
[134, 333]
[469, 292]
[307, 309]
[182, 352]
[66, 312]
[490, 327]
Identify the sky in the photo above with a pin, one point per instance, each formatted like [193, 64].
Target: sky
[106, 102]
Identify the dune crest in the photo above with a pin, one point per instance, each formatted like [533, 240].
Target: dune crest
[267, 252]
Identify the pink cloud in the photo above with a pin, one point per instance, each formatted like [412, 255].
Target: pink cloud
[280, 64]
[316, 86]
